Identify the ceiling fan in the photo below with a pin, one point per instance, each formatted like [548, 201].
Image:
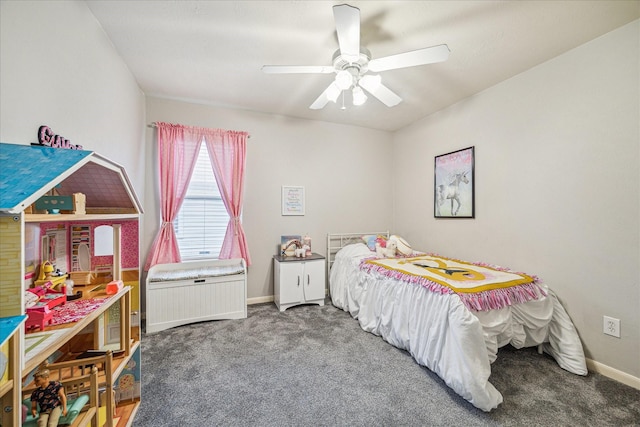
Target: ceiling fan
[352, 64]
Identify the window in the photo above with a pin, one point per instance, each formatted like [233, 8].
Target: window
[202, 221]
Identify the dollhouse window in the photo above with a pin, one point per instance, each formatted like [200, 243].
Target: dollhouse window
[103, 240]
[201, 224]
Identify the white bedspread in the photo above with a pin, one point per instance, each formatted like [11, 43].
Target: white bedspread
[442, 334]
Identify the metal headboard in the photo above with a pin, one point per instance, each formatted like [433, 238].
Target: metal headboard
[336, 241]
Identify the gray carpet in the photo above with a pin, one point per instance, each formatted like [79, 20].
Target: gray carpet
[313, 365]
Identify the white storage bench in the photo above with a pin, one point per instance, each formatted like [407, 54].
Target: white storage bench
[195, 291]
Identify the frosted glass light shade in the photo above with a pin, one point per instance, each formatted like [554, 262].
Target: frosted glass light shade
[359, 96]
[344, 79]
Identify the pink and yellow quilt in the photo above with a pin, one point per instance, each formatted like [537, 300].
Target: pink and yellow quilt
[481, 287]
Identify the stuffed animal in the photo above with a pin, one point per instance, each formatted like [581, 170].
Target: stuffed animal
[388, 252]
[301, 252]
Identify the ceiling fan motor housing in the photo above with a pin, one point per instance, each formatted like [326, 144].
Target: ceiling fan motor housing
[356, 69]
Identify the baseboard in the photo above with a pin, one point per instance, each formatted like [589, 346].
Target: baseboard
[259, 300]
[612, 373]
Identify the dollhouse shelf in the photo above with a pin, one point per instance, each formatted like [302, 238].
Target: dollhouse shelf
[73, 217]
[64, 333]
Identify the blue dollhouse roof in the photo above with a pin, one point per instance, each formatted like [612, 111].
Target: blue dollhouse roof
[28, 172]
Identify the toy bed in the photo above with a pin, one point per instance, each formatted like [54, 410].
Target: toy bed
[195, 291]
[442, 330]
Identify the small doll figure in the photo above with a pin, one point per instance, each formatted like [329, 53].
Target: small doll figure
[51, 397]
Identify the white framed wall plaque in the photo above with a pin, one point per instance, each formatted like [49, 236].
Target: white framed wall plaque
[292, 200]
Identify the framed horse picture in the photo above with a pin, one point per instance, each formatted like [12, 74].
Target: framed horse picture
[453, 193]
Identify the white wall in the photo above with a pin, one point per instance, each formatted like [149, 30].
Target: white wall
[342, 168]
[557, 155]
[557, 185]
[58, 68]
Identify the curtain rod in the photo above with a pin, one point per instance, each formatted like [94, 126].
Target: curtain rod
[154, 125]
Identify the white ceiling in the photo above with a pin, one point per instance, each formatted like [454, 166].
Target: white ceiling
[211, 52]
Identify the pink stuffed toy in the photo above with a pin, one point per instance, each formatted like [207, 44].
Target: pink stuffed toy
[387, 252]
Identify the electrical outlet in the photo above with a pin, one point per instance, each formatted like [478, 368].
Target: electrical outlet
[611, 326]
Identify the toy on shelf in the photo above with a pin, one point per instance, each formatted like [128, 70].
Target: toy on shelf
[47, 275]
[56, 204]
[46, 270]
[114, 287]
[40, 314]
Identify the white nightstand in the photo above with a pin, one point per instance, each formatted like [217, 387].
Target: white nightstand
[298, 280]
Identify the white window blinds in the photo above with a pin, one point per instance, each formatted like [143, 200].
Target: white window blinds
[202, 221]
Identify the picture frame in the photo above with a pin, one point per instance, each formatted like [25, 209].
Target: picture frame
[287, 244]
[454, 184]
[292, 200]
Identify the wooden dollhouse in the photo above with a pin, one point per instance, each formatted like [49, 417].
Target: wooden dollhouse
[90, 192]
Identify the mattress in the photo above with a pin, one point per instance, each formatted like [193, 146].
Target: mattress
[441, 333]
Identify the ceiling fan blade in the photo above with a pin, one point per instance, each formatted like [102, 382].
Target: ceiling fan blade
[428, 55]
[372, 85]
[348, 29]
[299, 69]
[331, 93]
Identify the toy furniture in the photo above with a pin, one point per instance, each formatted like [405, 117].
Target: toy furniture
[40, 314]
[38, 318]
[46, 276]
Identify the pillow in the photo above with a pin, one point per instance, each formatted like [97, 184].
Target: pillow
[30, 299]
[370, 241]
[403, 247]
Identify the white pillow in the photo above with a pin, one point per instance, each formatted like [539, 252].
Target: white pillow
[403, 247]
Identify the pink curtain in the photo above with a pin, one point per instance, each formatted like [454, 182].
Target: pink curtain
[177, 154]
[227, 153]
[178, 148]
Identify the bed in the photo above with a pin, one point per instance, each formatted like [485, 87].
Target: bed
[442, 330]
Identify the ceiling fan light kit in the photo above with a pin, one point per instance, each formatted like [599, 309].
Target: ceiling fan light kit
[352, 62]
[359, 96]
[344, 79]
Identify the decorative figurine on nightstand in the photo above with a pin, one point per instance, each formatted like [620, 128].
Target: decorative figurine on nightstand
[306, 242]
[301, 252]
